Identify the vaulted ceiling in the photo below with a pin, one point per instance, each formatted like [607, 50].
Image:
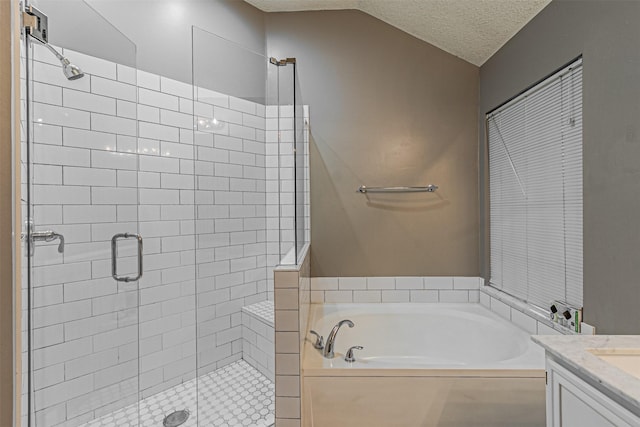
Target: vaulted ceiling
[470, 29]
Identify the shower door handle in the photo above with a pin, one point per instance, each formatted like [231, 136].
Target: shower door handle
[114, 257]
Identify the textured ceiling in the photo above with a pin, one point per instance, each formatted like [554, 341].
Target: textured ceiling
[471, 29]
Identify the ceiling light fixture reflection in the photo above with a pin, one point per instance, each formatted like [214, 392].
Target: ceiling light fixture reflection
[210, 124]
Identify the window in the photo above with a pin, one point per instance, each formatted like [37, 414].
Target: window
[535, 191]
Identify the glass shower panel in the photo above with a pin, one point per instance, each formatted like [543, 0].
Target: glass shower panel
[81, 242]
[272, 173]
[285, 122]
[301, 164]
[236, 354]
[291, 127]
[168, 347]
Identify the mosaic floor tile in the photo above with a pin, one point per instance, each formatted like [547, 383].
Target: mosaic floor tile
[234, 395]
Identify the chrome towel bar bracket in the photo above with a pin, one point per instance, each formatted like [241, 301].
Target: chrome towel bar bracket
[426, 189]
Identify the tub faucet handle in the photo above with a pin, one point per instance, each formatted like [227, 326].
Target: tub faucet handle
[331, 339]
[319, 344]
[349, 357]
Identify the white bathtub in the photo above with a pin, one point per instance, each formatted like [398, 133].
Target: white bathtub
[422, 365]
[406, 336]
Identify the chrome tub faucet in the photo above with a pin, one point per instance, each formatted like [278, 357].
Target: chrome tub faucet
[331, 339]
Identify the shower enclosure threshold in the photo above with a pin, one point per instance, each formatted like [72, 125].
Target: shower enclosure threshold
[235, 395]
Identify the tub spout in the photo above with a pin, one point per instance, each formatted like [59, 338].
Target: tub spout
[331, 339]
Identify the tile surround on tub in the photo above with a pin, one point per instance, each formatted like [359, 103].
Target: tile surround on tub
[525, 316]
[432, 289]
[395, 289]
[292, 302]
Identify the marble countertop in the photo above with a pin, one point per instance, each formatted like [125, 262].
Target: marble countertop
[572, 352]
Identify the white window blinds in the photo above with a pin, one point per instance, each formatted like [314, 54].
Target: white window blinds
[535, 191]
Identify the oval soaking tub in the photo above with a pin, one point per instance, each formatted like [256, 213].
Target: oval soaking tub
[422, 365]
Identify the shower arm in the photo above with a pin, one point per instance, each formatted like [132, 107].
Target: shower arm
[55, 52]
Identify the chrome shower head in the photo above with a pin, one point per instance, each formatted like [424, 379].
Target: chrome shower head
[71, 72]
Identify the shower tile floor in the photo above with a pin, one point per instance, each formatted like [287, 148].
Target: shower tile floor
[234, 395]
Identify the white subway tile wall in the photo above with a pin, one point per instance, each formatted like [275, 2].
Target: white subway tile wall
[122, 151]
[258, 337]
[230, 217]
[395, 289]
[85, 338]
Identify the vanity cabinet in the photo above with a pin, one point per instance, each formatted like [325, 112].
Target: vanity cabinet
[572, 402]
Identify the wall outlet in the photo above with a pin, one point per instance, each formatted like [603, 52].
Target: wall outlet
[567, 316]
[575, 322]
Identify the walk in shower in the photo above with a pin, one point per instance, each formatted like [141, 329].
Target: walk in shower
[155, 210]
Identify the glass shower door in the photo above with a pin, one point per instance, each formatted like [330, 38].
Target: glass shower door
[81, 242]
[236, 354]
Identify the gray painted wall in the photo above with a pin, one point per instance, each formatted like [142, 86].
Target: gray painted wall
[386, 109]
[607, 33]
